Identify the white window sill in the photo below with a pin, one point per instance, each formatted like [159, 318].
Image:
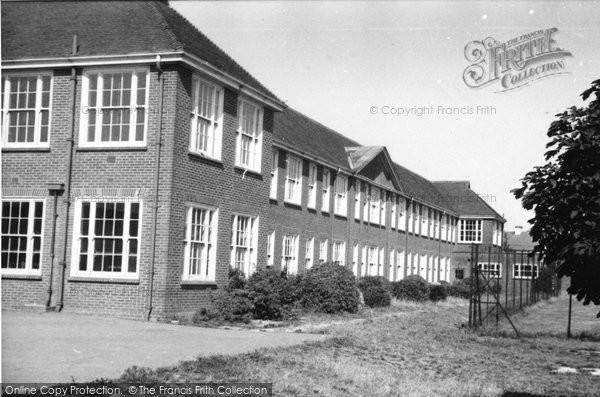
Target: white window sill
[205, 156]
[244, 170]
[198, 282]
[107, 280]
[123, 148]
[25, 148]
[295, 203]
[21, 276]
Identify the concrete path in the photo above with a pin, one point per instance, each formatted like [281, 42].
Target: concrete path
[65, 347]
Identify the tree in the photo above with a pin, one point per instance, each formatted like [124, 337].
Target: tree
[565, 196]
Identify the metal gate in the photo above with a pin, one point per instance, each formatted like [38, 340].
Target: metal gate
[504, 281]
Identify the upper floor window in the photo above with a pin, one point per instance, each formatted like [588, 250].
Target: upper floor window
[375, 210]
[401, 213]
[244, 231]
[382, 206]
[200, 244]
[293, 180]
[22, 229]
[207, 105]
[357, 198]
[393, 211]
[364, 193]
[470, 231]
[249, 135]
[274, 174]
[326, 190]
[114, 108]
[312, 185]
[106, 238]
[340, 203]
[26, 110]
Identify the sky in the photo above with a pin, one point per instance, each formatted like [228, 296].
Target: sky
[351, 64]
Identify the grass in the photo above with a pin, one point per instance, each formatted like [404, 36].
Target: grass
[410, 350]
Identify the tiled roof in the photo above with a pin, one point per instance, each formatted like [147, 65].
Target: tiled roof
[420, 188]
[43, 29]
[522, 241]
[360, 156]
[465, 200]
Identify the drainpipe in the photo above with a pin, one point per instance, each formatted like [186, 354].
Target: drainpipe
[54, 189]
[161, 78]
[67, 195]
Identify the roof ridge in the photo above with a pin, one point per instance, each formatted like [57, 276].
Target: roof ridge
[165, 26]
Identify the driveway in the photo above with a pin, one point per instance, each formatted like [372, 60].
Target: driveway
[62, 347]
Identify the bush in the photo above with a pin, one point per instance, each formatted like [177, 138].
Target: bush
[437, 292]
[267, 291]
[292, 292]
[544, 281]
[412, 288]
[231, 306]
[237, 279]
[459, 289]
[375, 290]
[329, 288]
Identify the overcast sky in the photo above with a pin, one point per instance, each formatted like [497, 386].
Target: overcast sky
[335, 61]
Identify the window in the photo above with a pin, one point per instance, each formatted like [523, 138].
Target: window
[271, 249]
[424, 220]
[381, 260]
[289, 254]
[114, 108]
[274, 173]
[436, 269]
[22, 229]
[436, 225]
[443, 221]
[392, 265]
[375, 210]
[524, 271]
[400, 265]
[401, 214]
[416, 212]
[207, 104]
[431, 226]
[382, 207]
[200, 244]
[326, 190]
[357, 196]
[500, 228]
[293, 180]
[364, 189]
[393, 211]
[106, 238]
[339, 253]
[340, 201]
[323, 251]
[243, 243]
[372, 260]
[470, 231]
[26, 110]
[411, 217]
[312, 186]
[423, 263]
[249, 135]
[454, 234]
[309, 253]
[355, 261]
[459, 274]
[488, 270]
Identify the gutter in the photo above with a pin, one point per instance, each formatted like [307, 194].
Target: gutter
[161, 79]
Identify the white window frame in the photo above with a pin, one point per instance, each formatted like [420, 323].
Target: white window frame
[340, 201]
[208, 269]
[339, 253]
[393, 212]
[374, 205]
[309, 253]
[214, 120]
[364, 190]
[518, 271]
[372, 260]
[249, 262]
[293, 180]
[477, 230]
[424, 221]
[77, 239]
[401, 213]
[355, 260]
[400, 261]
[492, 269]
[271, 249]
[381, 262]
[312, 186]
[382, 207]
[323, 244]
[256, 137]
[29, 235]
[289, 253]
[392, 265]
[274, 174]
[133, 108]
[357, 199]
[326, 190]
[38, 109]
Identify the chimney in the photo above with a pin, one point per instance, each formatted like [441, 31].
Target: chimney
[518, 230]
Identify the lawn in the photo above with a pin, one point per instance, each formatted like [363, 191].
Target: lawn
[410, 350]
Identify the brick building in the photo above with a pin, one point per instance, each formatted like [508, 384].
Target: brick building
[140, 162]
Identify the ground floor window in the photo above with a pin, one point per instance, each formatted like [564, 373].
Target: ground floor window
[309, 253]
[289, 254]
[271, 249]
[490, 269]
[339, 253]
[459, 274]
[200, 244]
[106, 238]
[22, 231]
[323, 251]
[244, 231]
[525, 271]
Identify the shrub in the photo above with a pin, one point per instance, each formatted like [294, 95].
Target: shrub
[412, 288]
[266, 288]
[231, 306]
[375, 290]
[544, 281]
[437, 292]
[459, 289]
[237, 279]
[329, 288]
[292, 291]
